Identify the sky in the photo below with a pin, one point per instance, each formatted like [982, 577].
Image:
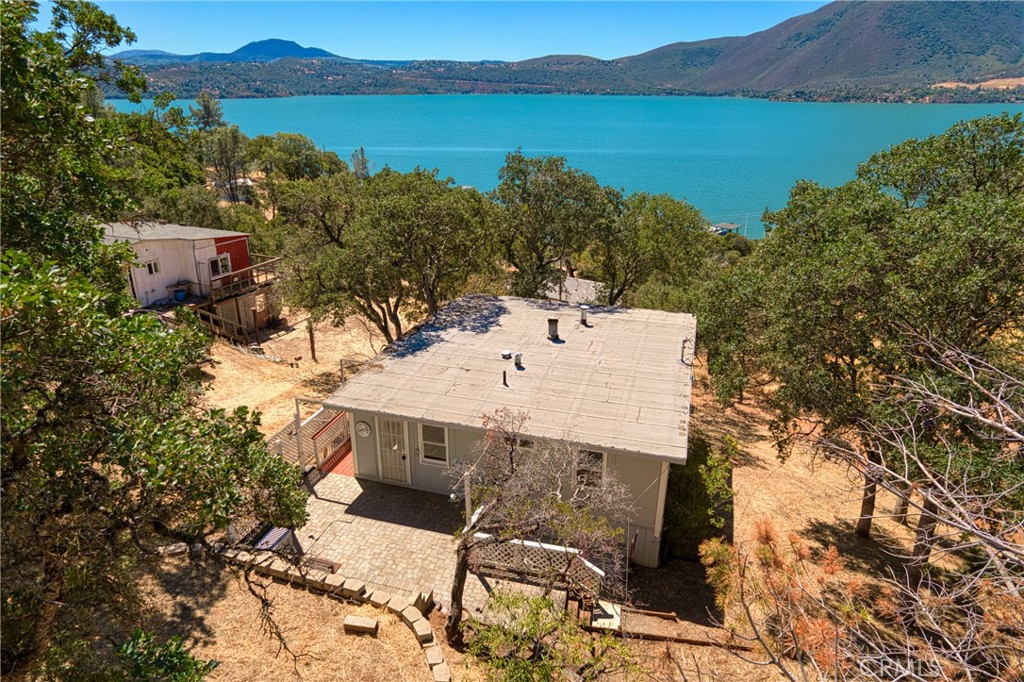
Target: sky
[471, 30]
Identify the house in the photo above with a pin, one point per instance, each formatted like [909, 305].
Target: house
[618, 384]
[215, 270]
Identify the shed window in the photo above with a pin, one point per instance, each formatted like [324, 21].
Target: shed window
[221, 265]
[590, 469]
[434, 444]
[152, 267]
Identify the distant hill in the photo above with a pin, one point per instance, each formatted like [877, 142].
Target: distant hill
[842, 43]
[877, 50]
[258, 51]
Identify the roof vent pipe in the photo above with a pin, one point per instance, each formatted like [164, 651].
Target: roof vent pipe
[583, 315]
[553, 328]
[519, 360]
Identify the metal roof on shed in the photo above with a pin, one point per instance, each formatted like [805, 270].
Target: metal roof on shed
[622, 382]
[134, 232]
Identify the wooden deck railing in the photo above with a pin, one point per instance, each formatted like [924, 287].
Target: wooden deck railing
[244, 280]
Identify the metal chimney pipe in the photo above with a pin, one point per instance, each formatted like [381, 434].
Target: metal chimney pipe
[504, 378]
[583, 314]
[553, 328]
[519, 360]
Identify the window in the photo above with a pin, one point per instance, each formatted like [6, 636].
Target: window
[221, 265]
[590, 469]
[433, 444]
[152, 267]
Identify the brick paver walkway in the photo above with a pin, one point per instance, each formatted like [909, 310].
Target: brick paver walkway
[393, 538]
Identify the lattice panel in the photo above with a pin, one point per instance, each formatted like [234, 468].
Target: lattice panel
[539, 563]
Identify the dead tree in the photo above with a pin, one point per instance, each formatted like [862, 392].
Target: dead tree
[523, 490]
[952, 445]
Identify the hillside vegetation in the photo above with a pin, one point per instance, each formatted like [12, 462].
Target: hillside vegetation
[842, 51]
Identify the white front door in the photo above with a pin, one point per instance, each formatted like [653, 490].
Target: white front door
[393, 450]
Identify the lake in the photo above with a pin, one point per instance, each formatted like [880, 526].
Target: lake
[732, 158]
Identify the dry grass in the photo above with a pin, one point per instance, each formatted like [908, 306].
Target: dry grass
[238, 379]
[993, 84]
[221, 620]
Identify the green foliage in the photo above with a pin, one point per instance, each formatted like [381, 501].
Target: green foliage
[549, 213]
[930, 237]
[698, 502]
[291, 156]
[226, 151]
[530, 638]
[208, 114]
[193, 205]
[58, 162]
[380, 246]
[105, 454]
[647, 236]
[146, 661]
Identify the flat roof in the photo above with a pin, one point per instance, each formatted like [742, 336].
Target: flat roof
[622, 382]
[135, 232]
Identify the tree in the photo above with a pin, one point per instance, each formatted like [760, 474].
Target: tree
[291, 156]
[337, 264]
[362, 167]
[438, 230]
[549, 214]
[530, 638]
[538, 491]
[194, 205]
[827, 296]
[57, 162]
[380, 247]
[107, 453]
[647, 235]
[967, 487]
[209, 114]
[225, 152]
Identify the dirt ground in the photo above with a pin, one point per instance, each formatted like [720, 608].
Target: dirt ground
[220, 619]
[271, 384]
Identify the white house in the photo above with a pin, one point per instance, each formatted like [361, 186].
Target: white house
[212, 268]
[617, 384]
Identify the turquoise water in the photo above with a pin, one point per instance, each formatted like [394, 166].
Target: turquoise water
[732, 158]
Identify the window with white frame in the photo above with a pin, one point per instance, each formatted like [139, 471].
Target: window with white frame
[590, 469]
[152, 267]
[221, 265]
[433, 444]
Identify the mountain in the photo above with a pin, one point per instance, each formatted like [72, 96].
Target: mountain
[842, 43]
[857, 50]
[258, 51]
[269, 50]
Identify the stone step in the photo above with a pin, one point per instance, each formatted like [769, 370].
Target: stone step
[360, 625]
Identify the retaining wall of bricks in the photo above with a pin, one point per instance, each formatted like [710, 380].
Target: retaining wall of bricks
[335, 586]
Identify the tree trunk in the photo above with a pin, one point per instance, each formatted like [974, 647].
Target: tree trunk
[454, 625]
[919, 557]
[312, 342]
[899, 510]
[867, 504]
[923, 537]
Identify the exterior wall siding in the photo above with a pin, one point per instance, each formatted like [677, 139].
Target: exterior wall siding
[173, 256]
[237, 248]
[642, 475]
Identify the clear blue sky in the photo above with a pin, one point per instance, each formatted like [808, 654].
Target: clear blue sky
[446, 30]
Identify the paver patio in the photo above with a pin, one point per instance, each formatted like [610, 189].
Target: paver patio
[392, 538]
